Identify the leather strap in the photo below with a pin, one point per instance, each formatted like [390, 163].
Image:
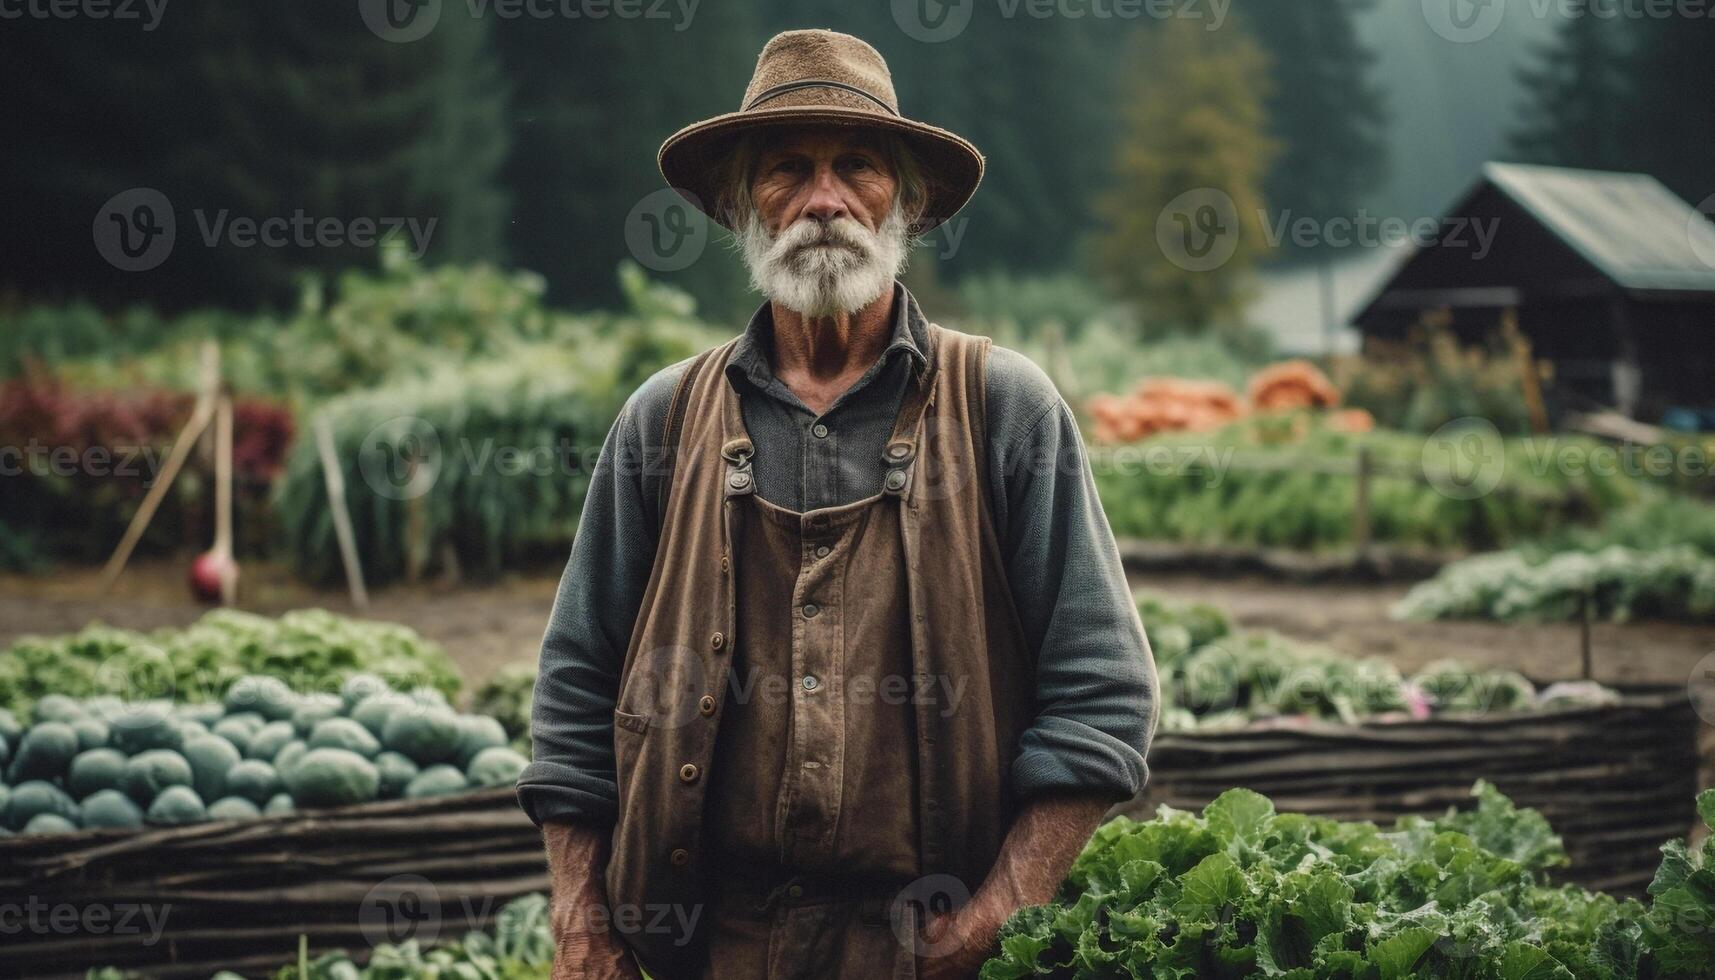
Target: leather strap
[784, 87]
[675, 425]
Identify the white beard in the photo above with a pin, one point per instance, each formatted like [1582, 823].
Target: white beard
[847, 272]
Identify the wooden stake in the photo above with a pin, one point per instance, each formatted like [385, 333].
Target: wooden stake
[182, 447]
[223, 500]
[335, 480]
[1361, 505]
[1586, 647]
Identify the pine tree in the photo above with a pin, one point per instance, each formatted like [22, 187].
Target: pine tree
[594, 104]
[1184, 213]
[260, 111]
[1577, 90]
[1668, 124]
[1325, 108]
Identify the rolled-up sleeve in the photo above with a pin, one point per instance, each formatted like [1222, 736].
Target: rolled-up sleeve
[571, 777]
[1096, 682]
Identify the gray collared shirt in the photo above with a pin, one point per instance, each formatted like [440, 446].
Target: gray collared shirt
[1096, 681]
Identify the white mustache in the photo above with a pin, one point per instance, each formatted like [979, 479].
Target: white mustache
[808, 233]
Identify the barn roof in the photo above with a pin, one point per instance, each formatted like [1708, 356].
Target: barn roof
[1630, 227]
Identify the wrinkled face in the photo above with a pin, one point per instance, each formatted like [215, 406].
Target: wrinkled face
[825, 233]
[822, 173]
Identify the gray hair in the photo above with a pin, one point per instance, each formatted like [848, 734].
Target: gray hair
[733, 201]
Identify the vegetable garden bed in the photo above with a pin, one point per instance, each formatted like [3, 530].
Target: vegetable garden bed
[1614, 780]
[237, 895]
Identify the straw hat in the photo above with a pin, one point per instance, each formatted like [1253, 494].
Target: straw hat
[818, 76]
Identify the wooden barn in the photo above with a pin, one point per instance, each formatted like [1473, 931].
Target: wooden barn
[1611, 277]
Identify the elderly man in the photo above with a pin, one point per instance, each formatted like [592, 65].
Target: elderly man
[844, 669]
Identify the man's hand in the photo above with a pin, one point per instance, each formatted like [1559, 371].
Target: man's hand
[585, 945]
[593, 956]
[1039, 847]
[959, 942]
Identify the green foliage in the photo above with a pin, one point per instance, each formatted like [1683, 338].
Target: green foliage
[1246, 485]
[1243, 891]
[1213, 676]
[1192, 121]
[506, 697]
[305, 650]
[1426, 385]
[1617, 583]
[475, 449]
[519, 946]
[1659, 521]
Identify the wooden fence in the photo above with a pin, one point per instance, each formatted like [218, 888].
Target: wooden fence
[1615, 782]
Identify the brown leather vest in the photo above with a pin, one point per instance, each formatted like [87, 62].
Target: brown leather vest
[962, 633]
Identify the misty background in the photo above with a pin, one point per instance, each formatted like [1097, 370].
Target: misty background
[530, 140]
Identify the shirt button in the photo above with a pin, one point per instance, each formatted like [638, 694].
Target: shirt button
[706, 705]
[811, 683]
[820, 430]
[895, 479]
[739, 481]
[794, 891]
[687, 773]
[680, 857]
[811, 609]
[822, 551]
[717, 641]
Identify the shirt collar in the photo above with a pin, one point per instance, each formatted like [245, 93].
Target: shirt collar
[750, 359]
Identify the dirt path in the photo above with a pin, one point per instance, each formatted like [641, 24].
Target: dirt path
[486, 626]
[1355, 618]
[482, 627]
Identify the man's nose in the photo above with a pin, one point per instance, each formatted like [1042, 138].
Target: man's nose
[826, 202]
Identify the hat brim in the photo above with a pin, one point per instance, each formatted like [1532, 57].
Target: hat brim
[692, 159]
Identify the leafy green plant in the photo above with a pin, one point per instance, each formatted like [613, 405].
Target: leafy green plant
[1243, 891]
[1286, 482]
[1615, 583]
[1214, 675]
[309, 649]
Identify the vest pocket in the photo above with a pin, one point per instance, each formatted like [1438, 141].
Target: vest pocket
[626, 721]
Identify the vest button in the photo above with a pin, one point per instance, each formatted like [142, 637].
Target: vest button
[725, 564]
[687, 773]
[680, 857]
[895, 479]
[794, 891]
[717, 641]
[706, 705]
[898, 451]
[811, 609]
[822, 551]
[738, 481]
